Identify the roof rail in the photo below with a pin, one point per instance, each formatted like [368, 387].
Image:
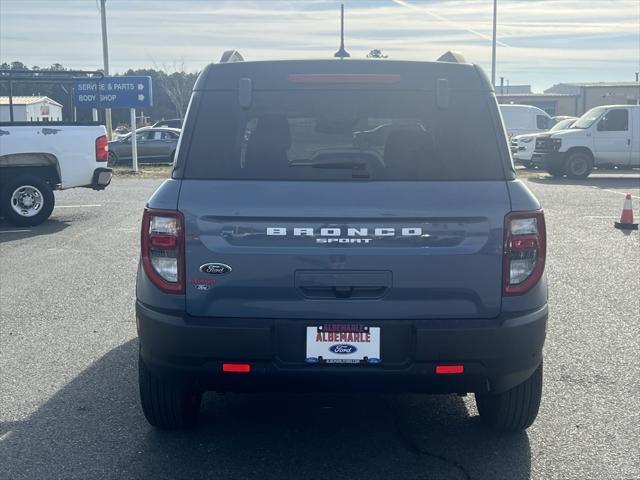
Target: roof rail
[452, 56]
[231, 56]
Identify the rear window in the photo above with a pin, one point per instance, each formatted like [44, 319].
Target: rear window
[343, 135]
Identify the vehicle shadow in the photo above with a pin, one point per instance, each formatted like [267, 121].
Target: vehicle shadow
[93, 428]
[10, 232]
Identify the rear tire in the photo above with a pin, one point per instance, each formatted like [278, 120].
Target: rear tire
[113, 159]
[165, 404]
[515, 409]
[578, 166]
[27, 201]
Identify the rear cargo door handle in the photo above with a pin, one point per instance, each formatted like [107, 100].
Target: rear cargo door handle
[332, 293]
[353, 284]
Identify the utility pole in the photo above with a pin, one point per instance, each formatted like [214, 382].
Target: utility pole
[341, 53]
[638, 94]
[105, 59]
[493, 44]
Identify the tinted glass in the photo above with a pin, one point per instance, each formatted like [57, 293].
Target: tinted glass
[143, 136]
[562, 124]
[614, 121]
[586, 120]
[342, 135]
[542, 122]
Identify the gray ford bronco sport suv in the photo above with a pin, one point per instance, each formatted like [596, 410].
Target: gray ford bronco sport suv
[342, 224]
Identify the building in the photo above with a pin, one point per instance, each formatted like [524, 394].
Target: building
[505, 88]
[552, 103]
[594, 94]
[31, 109]
[575, 98]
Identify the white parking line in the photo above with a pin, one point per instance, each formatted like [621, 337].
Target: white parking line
[619, 193]
[76, 206]
[14, 231]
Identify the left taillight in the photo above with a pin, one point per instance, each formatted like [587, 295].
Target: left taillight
[102, 149]
[162, 248]
[525, 249]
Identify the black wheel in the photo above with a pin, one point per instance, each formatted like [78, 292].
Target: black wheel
[528, 165]
[113, 159]
[27, 200]
[164, 404]
[578, 165]
[515, 409]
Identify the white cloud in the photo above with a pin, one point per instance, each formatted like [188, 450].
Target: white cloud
[549, 41]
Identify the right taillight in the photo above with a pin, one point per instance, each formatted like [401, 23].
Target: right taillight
[162, 248]
[524, 251]
[102, 149]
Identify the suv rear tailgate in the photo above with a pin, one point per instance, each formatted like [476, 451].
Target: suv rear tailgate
[350, 250]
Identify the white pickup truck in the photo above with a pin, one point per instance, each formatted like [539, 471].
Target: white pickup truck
[604, 137]
[36, 159]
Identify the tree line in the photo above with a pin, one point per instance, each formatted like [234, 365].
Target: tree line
[171, 91]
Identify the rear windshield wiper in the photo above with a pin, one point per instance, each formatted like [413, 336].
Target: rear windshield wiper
[340, 163]
[357, 162]
[358, 168]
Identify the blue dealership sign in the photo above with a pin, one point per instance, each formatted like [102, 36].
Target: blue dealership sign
[115, 92]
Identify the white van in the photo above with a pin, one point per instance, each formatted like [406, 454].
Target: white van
[522, 119]
[604, 137]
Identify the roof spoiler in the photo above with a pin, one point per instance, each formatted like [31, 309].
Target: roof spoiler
[231, 56]
[452, 56]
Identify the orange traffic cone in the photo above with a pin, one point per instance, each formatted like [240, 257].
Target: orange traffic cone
[626, 219]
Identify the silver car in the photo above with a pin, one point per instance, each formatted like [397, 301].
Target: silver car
[155, 145]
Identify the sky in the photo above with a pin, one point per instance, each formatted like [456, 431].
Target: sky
[541, 42]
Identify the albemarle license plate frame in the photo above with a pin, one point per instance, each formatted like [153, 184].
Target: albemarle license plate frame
[350, 343]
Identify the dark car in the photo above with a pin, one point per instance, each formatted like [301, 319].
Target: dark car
[155, 145]
[171, 123]
[282, 256]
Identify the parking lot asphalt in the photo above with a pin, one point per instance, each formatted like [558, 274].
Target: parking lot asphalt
[68, 380]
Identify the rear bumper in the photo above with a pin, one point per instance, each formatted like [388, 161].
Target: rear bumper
[101, 178]
[497, 354]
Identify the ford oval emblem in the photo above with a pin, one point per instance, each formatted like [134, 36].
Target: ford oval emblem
[343, 348]
[215, 268]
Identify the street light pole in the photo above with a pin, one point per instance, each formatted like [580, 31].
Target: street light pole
[493, 44]
[105, 59]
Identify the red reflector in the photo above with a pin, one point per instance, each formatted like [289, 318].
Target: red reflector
[163, 241]
[236, 367]
[449, 369]
[343, 78]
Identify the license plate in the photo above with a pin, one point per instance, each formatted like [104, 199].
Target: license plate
[343, 343]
